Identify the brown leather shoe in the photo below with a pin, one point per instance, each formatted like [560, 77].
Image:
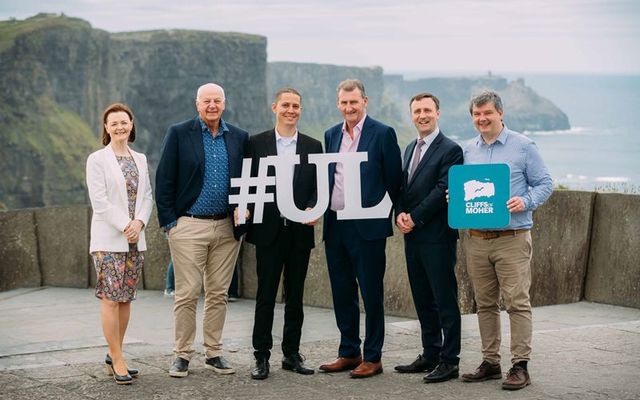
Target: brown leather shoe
[517, 378]
[366, 370]
[485, 371]
[341, 364]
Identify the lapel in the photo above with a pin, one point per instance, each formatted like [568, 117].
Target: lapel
[432, 149]
[116, 172]
[142, 178]
[195, 136]
[333, 147]
[366, 135]
[407, 156]
[270, 149]
[301, 151]
[336, 139]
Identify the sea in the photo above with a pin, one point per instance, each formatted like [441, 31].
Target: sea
[601, 151]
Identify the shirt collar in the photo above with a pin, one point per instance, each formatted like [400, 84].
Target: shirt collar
[221, 129]
[502, 137]
[431, 137]
[286, 139]
[356, 129]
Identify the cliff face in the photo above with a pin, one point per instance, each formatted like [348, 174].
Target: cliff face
[58, 74]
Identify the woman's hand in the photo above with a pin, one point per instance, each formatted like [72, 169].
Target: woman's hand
[132, 230]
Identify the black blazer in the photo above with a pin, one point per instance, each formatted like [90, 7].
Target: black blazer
[304, 189]
[424, 196]
[180, 172]
[379, 175]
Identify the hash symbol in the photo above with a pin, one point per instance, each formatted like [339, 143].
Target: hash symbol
[258, 198]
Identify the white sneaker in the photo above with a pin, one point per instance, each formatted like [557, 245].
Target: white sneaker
[169, 293]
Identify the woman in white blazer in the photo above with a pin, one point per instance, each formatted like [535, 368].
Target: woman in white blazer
[120, 193]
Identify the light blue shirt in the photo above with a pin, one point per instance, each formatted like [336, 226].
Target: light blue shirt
[529, 176]
[286, 145]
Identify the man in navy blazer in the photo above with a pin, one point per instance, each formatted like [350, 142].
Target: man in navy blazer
[355, 249]
[199, 157]
[430, 244]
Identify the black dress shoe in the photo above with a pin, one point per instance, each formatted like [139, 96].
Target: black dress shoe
[295, 363]
[443, 372]
[132, 371]
[261, 370]
[421, 364]
[179, 368]
[219, 365]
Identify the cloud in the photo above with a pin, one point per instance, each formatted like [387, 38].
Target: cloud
[527, 36]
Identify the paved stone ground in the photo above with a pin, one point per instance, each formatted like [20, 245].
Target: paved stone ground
[51, 347]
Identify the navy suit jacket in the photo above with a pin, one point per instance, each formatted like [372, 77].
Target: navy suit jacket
[424, 196]
[180, 172]
[304, 190]
[382, 173]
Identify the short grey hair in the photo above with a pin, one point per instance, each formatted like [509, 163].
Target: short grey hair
[488, 96]
[349, 85]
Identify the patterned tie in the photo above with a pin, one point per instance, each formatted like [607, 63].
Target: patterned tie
[416, 158]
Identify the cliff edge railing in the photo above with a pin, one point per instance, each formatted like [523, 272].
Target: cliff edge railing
[586, 247]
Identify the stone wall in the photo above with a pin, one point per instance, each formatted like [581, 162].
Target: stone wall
[613, 274]
[585, 247]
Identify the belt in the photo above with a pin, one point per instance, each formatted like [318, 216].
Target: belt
[286, 222]
[495, 234]
[215, 217]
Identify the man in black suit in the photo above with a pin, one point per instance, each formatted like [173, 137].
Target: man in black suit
[430, 244]
[199, 157]
[281, 244]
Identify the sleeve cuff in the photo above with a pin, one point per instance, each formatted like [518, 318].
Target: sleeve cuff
[170, 225]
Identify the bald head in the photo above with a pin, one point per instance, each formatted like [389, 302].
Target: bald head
[209, 89]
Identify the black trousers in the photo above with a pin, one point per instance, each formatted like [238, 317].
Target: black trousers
[431, 268]
[282, 258]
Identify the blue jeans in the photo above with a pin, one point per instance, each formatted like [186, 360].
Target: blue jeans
[171, 283]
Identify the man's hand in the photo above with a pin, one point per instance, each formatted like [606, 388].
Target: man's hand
[247, 215]
[311, 223]
[515, 204]
[405, 223]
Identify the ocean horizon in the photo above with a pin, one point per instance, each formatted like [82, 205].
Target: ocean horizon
[601, 150]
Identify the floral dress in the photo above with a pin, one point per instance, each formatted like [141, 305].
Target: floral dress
[118, 273]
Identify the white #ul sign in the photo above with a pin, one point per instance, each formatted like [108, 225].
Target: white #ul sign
[284, 188]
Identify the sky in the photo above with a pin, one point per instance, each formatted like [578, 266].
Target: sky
[449, 37]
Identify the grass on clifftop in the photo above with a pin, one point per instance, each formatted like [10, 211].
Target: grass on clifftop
[58, 136]
[11, 29]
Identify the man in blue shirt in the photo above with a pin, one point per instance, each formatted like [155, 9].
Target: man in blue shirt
[498, 262]
[199, 157]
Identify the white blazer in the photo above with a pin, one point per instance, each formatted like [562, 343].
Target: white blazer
[108, 195]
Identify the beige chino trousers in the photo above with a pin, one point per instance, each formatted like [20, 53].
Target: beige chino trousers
[204, 252]
[502, 267]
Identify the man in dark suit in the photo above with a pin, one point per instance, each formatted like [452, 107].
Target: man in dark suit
[199, 157]
[281, 244]
[430, 244]
[355, 249]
